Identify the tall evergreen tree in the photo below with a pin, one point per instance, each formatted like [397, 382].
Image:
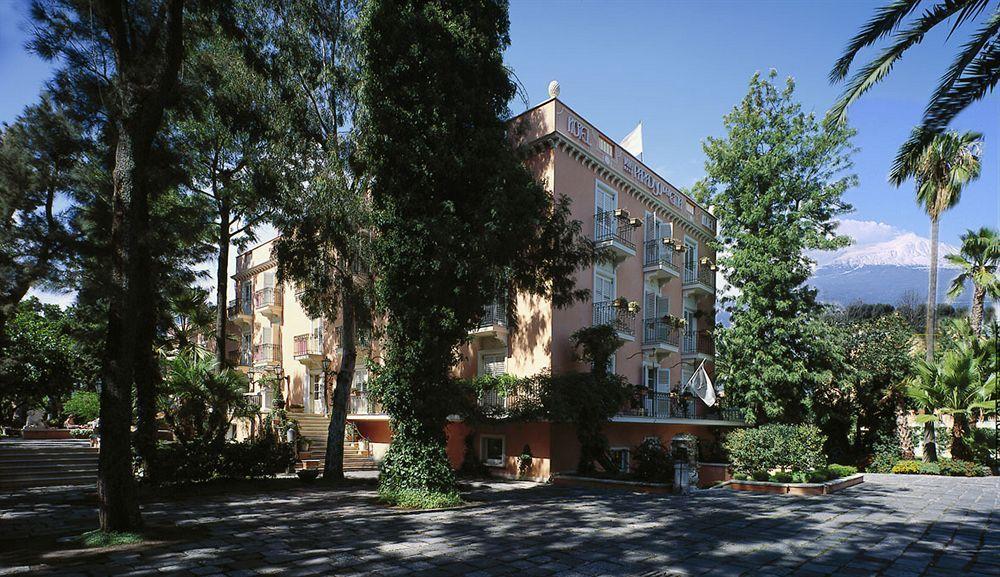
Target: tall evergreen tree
[459, 218]
[777, 178]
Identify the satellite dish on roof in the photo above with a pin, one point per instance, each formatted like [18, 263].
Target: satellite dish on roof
[553, 89]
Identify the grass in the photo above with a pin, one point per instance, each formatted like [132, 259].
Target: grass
[98, 538]
[420, 499]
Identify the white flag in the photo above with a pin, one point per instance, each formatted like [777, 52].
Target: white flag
[701, 385]
[633, 142]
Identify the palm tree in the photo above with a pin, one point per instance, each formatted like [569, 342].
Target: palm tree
[941, 171]
[972, 75]
[978, 258]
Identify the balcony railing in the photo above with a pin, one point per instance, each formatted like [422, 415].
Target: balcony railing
[660, 405]
[494, 314]
[658, 332]
[239, 306]
[498, 405]
[267, 353]
[658, 254]
[307, 344]
[703, 274]
[608, 227]
[622, 319]
[266, 297]
[363, 404]
[696, 342]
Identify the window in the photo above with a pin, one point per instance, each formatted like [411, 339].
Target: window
[605, 198]
[690, 209]
[606, 146]
[604, 286]
[620, 457]
[707, 220]
[690, 256]
[491, 449]
[316, 329]
[492, 363]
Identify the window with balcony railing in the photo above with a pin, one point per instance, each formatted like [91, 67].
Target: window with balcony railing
[656, 253]
[267, 353]
[701, 274]
[494, 314]
[699, 342]
[267, 296]
[658, 331]
[609, 313]
[307, 344]
[609, 227]
[663, 405]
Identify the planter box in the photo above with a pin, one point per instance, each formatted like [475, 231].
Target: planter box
[797, 488]
[711, 473]
[564, 480]
[45, 434]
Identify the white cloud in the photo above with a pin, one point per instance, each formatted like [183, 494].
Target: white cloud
[868, 231]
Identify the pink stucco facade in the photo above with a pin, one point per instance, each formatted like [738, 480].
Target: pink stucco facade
[660, 274]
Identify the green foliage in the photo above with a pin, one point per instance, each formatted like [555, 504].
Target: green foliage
[775, 446]
[886, 454]
[653, 462]
[781, 477]
[909, 467]
[84, 405]
[198, 401]
[197, 462]
[777, 178]
[978, 260]
[460, 218]
[839, 471]
[81, 433]
[97, 538]
[958, 468]
[415, 499]
[760, 476]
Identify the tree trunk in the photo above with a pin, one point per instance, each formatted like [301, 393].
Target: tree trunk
[333, 466]
[903, 431]
[959, 429]
[146, 374]
[929, 447]
[930, 318]
[978, 306]
[221, 284]
[118, 503]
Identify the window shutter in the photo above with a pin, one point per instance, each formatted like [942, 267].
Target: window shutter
[649, 230]
[649, 305]
[266, 336]
[665, 229]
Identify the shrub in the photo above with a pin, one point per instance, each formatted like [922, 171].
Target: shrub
[958, 468]
[839, 471]
[818, 476]
[782, 477]
[930, 469]
[760, 476]
[84, 405]
[906, 467]
[81, 433]
[417, 499]
[786, 447]
[887, 454]
[741, 477]
[653, 462]
[193, 463]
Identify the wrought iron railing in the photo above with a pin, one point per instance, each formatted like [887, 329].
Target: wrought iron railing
[660, 405]
[267, 353]
[619, 317]
[307, 344]
[657, 331]
[362, 403]
[699, 342]
[239, 306]
[610, 227]
[267, 296]
[703, 274]
[657, 254]
[494, 313]
[499, 404]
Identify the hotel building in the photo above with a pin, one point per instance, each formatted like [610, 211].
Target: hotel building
[658, 293]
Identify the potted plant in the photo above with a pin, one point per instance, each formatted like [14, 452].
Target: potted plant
[633, 307]
[622, 213]
[620, 303]
[635, 223]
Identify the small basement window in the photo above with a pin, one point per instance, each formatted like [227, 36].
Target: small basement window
[620, 457]
[491, 449]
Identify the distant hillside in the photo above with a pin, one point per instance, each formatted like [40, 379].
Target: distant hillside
[879, 283]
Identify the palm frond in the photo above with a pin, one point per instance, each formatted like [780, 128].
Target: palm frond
[978, 80]
[968, 53]
[885, 21]
[971, 11]
[877, 69]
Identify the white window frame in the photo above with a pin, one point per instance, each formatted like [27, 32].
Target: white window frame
[600, 190]
[606, 146]
[482, 450]
[481, 369]
[608, 274]
[692, 247]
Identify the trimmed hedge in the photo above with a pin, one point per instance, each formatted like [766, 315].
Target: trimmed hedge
[781, 447]
[251, 459]
[949, 467]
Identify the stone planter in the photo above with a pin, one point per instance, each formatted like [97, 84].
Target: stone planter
[797, 488]
[45, 434]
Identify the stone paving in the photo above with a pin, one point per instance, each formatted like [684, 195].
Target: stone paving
[890, 525]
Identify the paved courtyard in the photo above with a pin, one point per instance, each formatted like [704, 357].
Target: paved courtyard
[891, 525]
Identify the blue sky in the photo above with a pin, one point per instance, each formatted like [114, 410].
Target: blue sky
[678, 67]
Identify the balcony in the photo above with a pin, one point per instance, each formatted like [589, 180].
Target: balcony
[698, 345]
[308, 349]
[362, 403]
[363, 339]
[268, 301]
[660, 337]
[240, 312]
[493, 323]
[658, 261]
[619, 317]
[659, 405]
[496, 405]
[699, 282]
[266, 355]
[613, 231]
[239, 358]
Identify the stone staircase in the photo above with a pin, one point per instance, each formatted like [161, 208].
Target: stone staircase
[46, 463]
[314, 427]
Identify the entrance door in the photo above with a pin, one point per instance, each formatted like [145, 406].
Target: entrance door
[315, 394]
[690, 330]
[605, 203]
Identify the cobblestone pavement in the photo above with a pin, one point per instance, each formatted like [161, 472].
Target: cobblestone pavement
[890, 525]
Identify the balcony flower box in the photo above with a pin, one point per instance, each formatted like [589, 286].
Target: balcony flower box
[622, 214]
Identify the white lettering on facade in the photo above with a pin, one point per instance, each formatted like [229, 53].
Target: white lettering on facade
[656, 187]
[578, 129]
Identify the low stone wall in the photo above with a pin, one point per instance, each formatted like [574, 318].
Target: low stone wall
[711, 473]
[42, 434]
[797, 488]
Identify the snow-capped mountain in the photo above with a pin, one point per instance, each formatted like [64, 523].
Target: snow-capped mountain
[882, 265]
